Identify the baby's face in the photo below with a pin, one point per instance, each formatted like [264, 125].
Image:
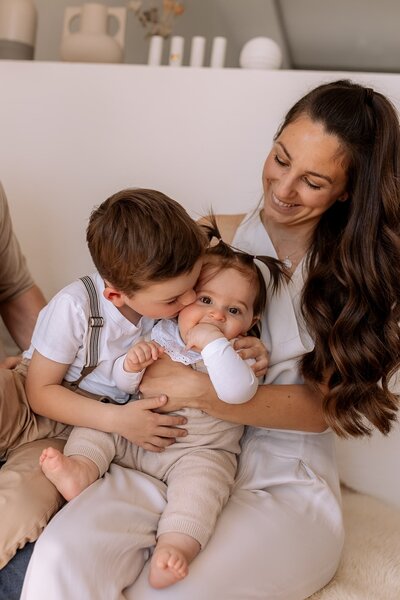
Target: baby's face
[224, 300]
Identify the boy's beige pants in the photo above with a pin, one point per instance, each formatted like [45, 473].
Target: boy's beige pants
[27, 498]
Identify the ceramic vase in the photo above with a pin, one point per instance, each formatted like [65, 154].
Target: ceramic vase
[93, 42]
[18, 22]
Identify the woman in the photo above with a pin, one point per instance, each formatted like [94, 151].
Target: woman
[331, 212]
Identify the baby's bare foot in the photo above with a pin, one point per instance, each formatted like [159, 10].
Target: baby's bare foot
[168, 565]
[70, 474]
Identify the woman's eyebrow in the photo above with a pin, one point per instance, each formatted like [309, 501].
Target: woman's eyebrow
[329, 179]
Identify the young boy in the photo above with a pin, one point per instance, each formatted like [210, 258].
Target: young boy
[148, 252]
[200, 469]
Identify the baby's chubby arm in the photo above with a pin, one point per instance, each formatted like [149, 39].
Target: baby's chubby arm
[129, 368]
[136, 421]
[232, 377]
[142, 355]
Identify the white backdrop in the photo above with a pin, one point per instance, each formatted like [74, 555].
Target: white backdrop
[72, 134]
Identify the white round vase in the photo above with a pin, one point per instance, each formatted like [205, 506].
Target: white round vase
[261, 53]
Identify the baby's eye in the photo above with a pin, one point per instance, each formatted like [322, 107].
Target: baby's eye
[173, 301]
[205, 299]
[234, 311]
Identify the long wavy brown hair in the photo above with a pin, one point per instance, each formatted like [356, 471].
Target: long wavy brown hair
[351, 296]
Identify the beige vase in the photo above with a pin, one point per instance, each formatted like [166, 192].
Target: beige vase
[93, 42]
[18, 22]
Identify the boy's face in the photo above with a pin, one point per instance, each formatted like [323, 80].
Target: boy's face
[164, 299]
[225, 300]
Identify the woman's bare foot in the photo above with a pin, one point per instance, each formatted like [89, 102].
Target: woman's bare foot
[70, 474]
[171, 558]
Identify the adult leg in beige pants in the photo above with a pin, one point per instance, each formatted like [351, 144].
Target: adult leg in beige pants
[27, 498]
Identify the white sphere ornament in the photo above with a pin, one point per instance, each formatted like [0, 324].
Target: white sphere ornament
[260, 53]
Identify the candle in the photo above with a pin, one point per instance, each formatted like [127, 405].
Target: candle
[197, 51]
[176, 51]
[218, 53]
[155, 50]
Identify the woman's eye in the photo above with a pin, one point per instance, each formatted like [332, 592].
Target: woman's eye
[280, 162]
[205, 300]
[234, 311]
[313, 186]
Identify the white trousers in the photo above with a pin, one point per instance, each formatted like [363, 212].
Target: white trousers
[278, 538]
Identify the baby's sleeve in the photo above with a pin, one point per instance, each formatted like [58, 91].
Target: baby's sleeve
[232, 377]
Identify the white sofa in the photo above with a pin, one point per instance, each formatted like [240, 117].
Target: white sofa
[72, 134]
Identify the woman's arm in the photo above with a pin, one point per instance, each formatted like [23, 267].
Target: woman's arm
[296, 407]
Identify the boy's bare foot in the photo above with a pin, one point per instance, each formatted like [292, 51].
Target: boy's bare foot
[171, 559]
[70, 474]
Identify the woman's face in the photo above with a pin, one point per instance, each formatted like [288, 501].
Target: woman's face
[304, 174]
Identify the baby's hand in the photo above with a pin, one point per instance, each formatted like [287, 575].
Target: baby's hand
[202, 334]
[141, 355]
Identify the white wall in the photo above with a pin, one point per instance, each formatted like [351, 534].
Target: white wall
[73, 134]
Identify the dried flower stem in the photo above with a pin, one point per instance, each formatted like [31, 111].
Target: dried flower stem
[154, 20]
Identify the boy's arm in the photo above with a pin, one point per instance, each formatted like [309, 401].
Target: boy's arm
[49, 398]
[135, 421]
[232, 377]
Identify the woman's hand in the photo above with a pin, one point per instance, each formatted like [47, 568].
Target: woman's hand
[139, 424]
[252, 347]
[184, 386]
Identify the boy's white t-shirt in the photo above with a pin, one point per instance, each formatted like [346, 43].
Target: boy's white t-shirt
[61, 332]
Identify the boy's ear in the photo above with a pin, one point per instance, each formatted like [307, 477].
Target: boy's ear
[113, 296]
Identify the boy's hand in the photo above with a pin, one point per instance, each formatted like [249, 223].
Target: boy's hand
[147, 429]
[141, 355]
[252, 347]
[202, 334]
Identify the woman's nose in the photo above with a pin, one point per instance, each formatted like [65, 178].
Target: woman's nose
[286, 188]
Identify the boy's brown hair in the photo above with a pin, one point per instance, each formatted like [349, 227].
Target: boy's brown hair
[139, 236]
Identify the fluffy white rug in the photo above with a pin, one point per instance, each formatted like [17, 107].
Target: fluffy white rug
[370, 568]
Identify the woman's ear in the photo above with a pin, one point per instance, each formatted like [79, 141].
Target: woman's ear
[113, 295]
[343, 197]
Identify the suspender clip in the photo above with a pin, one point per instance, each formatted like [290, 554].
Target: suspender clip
[96, 321]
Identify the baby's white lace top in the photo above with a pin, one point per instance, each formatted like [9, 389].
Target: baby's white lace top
[166, 333]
